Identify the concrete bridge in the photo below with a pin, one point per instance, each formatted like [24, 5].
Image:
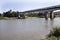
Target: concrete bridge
[46, 11]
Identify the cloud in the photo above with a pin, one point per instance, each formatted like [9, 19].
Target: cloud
[22, 5]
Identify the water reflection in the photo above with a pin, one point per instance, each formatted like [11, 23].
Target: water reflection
[51, 23]
[46, 23]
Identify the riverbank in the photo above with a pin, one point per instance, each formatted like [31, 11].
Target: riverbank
[32, 17]
[7, 18]
[54, 34]
[12, 18]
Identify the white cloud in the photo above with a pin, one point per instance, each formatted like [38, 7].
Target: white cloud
[27, 4]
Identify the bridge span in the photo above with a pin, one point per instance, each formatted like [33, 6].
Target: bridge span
[46, 11]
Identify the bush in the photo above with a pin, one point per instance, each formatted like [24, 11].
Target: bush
[54, 34]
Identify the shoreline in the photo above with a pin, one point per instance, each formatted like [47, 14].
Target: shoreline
[12, 18]
[7, 18]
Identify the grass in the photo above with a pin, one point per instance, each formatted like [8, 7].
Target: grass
[54, 34]
[7, 18]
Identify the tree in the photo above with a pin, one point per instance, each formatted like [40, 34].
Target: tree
[7, 14]
[0, 14]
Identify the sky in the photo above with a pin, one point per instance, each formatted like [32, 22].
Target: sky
[23, 5]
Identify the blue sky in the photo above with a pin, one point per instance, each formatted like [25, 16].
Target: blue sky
[23, 5]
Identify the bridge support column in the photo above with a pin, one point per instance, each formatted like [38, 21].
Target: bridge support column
[46, 15]
[51, 15]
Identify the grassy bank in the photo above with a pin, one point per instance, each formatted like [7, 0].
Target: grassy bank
[54, 34]
[32, 17]
[12, 18]
[7, 18]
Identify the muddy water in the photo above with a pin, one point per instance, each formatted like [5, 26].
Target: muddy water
[26, 29]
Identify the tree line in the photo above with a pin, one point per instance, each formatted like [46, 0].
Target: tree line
[11, 13]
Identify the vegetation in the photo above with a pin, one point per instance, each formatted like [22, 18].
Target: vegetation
[57, 14]
[12, 14]
[35, 14]
[16, 14]
[54, 35]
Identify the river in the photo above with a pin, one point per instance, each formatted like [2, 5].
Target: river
[26, 29]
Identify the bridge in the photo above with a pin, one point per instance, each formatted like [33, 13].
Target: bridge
[46, 11]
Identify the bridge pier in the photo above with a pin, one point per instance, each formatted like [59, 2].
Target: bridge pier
[51, 15]
[46, 15]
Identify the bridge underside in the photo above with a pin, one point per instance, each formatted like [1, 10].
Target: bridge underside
[46, 14]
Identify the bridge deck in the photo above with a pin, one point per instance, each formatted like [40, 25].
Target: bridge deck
[51, 8]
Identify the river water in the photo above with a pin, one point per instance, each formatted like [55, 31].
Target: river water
[26, 29]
